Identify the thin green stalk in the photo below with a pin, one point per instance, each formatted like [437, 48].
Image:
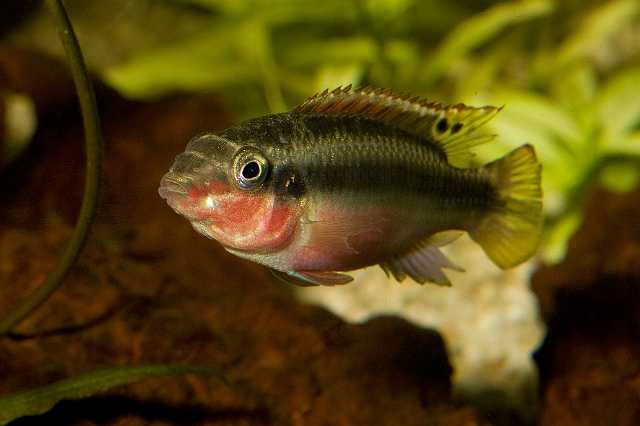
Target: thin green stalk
[38, 401]
[93, 146]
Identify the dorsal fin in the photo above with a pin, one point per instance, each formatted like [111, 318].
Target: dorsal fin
[451, 127]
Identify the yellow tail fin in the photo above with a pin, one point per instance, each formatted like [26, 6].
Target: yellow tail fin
[510, 232]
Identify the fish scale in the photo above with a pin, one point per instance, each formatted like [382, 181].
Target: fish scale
[405, 162]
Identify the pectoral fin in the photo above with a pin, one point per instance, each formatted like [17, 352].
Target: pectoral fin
[424, 263]
[312, 278]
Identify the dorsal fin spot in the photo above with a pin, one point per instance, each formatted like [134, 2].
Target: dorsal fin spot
[450, 127]
[442, 125]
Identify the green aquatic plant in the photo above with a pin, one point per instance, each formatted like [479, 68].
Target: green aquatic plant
[258, 50]
[581, 109]
[566, 73]
[93, 147]
[40, 400]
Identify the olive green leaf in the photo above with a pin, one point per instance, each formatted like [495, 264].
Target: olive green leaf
[40, 400]
[619, 105]
[596, 29]
[210, 60]
[478, 29]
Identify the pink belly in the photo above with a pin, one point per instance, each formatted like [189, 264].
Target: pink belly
[342, 239]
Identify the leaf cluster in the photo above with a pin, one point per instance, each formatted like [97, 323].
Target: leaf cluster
[568, 73]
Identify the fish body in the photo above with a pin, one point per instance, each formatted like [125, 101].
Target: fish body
[353, 178]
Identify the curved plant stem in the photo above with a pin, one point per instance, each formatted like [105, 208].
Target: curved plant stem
[93, 143]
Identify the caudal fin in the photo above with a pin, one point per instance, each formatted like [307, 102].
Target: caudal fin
[510, 232]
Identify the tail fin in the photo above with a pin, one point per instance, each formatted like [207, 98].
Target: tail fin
[510, 232]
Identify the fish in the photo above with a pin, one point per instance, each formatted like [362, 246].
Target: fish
[352, 178]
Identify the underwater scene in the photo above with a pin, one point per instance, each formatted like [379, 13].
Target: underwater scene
[283, 212]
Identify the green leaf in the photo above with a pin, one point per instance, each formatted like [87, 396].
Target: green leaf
[388, 9]
[628, 145]
[596, 29]
[330, 77]
[561, 169]
[557, 236]
[559, 141]
[209, 60]
[575, 89]
[535, 119]
[620, 177]
[229, 7]
[482, 71]
[480, 28]
[619, 105]
[404, 57]
[278, 12]
[256, 48]
[309, 53]
[539, 112]
[40, 400]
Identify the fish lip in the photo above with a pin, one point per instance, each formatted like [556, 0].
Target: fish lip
[172, 185]
[175, 184]
[177, 190]
[174, 189]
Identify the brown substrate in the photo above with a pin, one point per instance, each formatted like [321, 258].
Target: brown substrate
[148, 289]
[590, 361]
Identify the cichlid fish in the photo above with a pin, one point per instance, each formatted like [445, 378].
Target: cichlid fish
[353, 178]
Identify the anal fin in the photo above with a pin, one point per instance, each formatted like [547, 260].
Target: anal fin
[312, 278]
[424, 263]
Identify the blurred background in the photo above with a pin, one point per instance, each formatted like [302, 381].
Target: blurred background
[567, 73]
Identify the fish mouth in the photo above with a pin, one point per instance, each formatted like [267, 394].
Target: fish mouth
[174, 189]
[190, 196]
[172, 186]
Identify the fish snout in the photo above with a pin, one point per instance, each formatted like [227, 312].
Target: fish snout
[198, 177]
[172, 185]
[174, 189]
[188, 171]
[192, 197]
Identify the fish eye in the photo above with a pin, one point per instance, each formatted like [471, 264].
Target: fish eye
[251, 168]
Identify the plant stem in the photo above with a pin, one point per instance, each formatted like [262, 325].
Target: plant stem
[93, 146]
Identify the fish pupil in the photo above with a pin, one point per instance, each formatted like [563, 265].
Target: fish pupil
[251, 170]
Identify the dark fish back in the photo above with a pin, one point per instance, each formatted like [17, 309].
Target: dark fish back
[361, 155]
[358, 155]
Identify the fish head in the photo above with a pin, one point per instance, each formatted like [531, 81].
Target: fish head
[233, 193]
